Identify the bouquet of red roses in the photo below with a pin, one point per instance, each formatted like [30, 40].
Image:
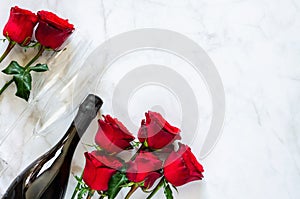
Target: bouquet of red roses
[159, 160]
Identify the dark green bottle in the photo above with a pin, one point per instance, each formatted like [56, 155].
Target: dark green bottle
[47, 177]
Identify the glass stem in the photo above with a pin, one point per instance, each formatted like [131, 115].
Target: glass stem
[8, 49]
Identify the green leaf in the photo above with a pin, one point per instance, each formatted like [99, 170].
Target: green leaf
[23, 83]
[13, 68]
[39, 68]
[168, 191]
[115, 184]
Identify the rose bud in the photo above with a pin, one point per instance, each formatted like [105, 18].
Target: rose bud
[112, 135]
[144, 169]
[99, 168]
[157, 132]
[19, 27]
[52, 30]
[182, 167]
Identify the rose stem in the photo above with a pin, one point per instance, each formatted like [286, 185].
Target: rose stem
[77, 187]
[8, 49]
[101, 197]
[41, 50]
[90, 194]
[155, 190]
[5, 86]
[132, 190]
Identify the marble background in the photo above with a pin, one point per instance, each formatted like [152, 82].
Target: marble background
[255, 46]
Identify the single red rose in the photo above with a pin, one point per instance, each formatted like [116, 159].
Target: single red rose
[182, 167]
[157, 132]
[52, 30]
[112, 135]
[99, 168]
[20, 25]
[144, 169]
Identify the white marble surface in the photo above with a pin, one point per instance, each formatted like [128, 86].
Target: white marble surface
[255, 46]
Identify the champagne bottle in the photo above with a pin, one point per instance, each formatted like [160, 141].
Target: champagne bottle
[47, 177]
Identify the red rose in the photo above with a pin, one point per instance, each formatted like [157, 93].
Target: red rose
[144, 169]
[99, 168]
[52, 30]
[157, 131]
[112, 135]
[19, 27]
[182, 167]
